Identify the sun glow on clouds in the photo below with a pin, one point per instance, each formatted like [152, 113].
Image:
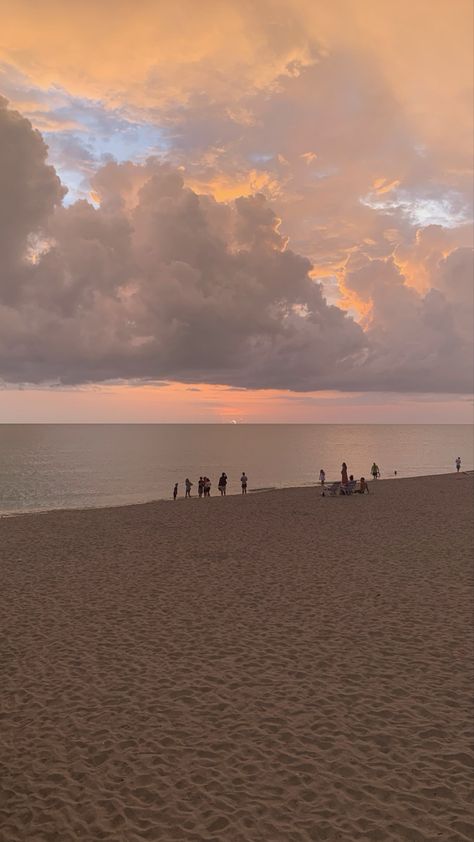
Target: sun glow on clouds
[226, 187]
[353, 120]
[200, 403]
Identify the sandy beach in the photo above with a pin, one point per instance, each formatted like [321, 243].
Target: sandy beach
[276, 668]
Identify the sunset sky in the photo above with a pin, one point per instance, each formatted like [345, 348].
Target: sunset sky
[221, 211]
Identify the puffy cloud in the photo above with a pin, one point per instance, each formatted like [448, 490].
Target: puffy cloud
[175, 52]
[29, 188]
[172, 51]
[368, 182]
[417, 341]
[222, 47]
[159, 282]
[354, 78]
[341, 114]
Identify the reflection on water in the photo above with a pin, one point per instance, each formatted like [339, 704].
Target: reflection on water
[46, 466]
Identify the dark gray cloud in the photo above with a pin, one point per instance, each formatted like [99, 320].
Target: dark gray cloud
[29, 188]
[161, 283]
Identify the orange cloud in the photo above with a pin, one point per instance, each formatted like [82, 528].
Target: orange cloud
[171, 50]
[309, 157]
[383, 185]
[171, 401]
[48, 122]
[167, 404]
[379, 94]
[225, 187]
[361, 309]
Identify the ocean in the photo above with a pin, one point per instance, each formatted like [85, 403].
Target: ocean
[52, 466]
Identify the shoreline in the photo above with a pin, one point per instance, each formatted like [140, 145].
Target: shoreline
[251, 492]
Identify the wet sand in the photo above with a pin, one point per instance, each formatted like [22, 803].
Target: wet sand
[281, 667]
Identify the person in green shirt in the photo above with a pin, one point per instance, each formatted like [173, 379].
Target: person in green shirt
[375, 471]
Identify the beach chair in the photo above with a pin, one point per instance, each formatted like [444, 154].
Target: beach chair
[349, 488]
[331, 490]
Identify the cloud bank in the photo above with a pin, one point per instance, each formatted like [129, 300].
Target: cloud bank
[160, 282]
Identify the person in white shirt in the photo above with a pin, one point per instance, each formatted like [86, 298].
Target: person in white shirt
[243, 482]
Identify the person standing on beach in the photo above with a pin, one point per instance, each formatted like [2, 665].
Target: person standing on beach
[175, 491]
[200, 486]
[243, 482]
[188, 485]
[222, 484]
[207, 487]
[344, 479]
[322, 477]
[375, 471]
[458, 464]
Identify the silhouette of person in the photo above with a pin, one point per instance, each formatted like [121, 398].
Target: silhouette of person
[344, 479]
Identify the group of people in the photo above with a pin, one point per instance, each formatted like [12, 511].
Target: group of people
[348, 484]
[344, 477]
[204, 486]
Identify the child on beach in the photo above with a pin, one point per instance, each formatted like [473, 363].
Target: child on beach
[222, 484]
[363, 487]
[322, 476]
[175, 491]
[207, 487]
[458, 464]
[200, 486]
[243, 482]
[188, 485]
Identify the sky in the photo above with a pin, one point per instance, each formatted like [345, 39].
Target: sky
[221, 212]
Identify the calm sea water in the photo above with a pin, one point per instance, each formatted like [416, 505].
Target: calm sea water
[49, 466]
